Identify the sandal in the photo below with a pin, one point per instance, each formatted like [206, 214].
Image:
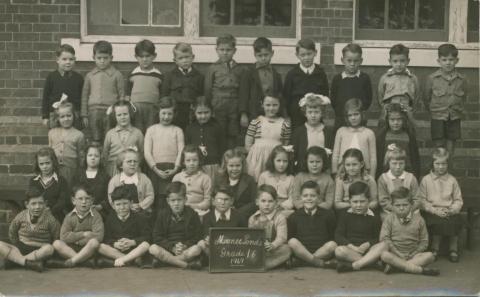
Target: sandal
[453, 256]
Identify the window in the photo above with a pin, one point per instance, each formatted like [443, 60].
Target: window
[425, 20]
[248, 18]
[472, 22]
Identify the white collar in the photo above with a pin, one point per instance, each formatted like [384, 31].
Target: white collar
[393, 177]
[139, 70]
[227, 214]
[391, 72]
[368, 213]
[270, 216]
[129, 179]
[345, 75]
[308, 70]
[183, 72]
[74, 211]
[123, 219]
[54, 176]
[318, 128]
[91, 174]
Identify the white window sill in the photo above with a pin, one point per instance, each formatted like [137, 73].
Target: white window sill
[422, 54]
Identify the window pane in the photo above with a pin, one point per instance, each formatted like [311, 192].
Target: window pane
[473, 15]
[247, 12]
[100, 12]
[135, 12]
[401, 14]
[165, 12]
[278, 12]
[371, 14]
[218, 12]
[431, 14]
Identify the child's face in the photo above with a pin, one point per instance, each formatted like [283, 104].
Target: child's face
[183, 60]
[354, 118]
[45, 165]
[353, 166]
[359, 203]
[440, 166]
[306, 56]
[122, 116]
[203, 114]
[401, 207]
[280, 162]
[82, 201]
[35, 206]
[395, 121]
[309, 198]
[93, 158]
[313, 115]
[447, 64]
[192, 162]
[314, 164]
[165, 115]
[399, 62]
[264, 56]
[234, 168]
[65, 117]
[352, 62]
[176, 202]
[222, 202]
[66, 61]
[102, 60]
[130, 164]
[271, 106]
[145, 60]
[122, 207]
[225, 52]
[396, 167]
[265, 202]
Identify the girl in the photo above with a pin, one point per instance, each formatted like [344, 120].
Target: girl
[164, 143]
[353, 169]
[398, 130]
[94, 176]
[263, 134]
[316, 161]
[54, 187]
[128, 165]
[233, 174]
[356, 135]
[441, 200]
[313, 132]
[198, 183]
[207, 135]
[279, 175]
[124, 135]
[67, 142]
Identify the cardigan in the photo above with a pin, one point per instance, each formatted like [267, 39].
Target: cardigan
[211, 136]
[68, 144]
[144, 189]
[135, 227]
[97, 185]
[387, 183]
[113, 144]
[56, 195]
[245, 194]
[199, 188]
[300, 144]
[70, 84]
[345, 88]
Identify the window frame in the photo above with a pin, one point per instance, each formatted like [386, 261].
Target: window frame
[150, 21]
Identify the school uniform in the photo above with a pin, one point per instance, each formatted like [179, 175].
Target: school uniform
[56, 193]
[357, 228]
[232, 218]
[97, 182]
[245, 193]
[134, 227]
[305, 136]
[75, 225]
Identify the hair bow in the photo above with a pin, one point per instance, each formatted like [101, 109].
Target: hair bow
[328, 151]
[133, 148]
[62, 100]
[323, 100]
[392, 147]
[288, 148]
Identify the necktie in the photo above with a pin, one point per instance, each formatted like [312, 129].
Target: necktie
[223, 217]
[185, 71]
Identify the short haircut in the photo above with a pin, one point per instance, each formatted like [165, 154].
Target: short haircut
[262, 43]
[202, 101]
[82, 187]
[359, 188]
[225, 189]
[102, 47]
[176, 187]
[121, 156]
[131, 111]
[305, 43]
[46, 152]
[226, 39]
[166, 102]
[399, 49]
[447, 49]
[125, 191]
[354, 104]
[182, 47]
[396, 153]
[33, 191]
[144, 46]
[270, 165]
[267, 189]
[64, 48]
[192, 149]
[439, 153]
[316, 151]
[401, 193]
[310, 184]
[353, 48]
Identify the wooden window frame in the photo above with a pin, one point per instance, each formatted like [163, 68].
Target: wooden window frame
[150, 22]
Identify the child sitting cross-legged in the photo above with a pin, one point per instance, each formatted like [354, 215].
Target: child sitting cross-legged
[405, 234]
[126, 233]
[176, 231]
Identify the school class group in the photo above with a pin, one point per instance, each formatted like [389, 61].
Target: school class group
[137, 171]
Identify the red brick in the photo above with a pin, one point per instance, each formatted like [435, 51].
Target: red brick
[11, 83]
[25, 84]
[11, 64]
[46, 28]
[52, 9]
[25, 140]
[24, 1]
[26, 111]
[336, 23]
[45, 18]
[26, 93]
[21, 169]
[25, 37]
[73, 9]
[46, 37]
[45, 46]
[26, 18]
[25, 55]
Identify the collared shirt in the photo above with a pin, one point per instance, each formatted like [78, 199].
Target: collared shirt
[265, 73]
[185, 71]
[125, 218]
[368, 213]
[440, 191]
[282, 183]
[138, 69]
[47, 183]
[222, 81]
[406, 219]
[310, 212]
[307, 70]
[125, 179]
[274, 224]
[346, 75]
[120, 138]
[315, 135]
[199, 188]
[446, 95]
[393, 84]
[218, 215]
[89, 212]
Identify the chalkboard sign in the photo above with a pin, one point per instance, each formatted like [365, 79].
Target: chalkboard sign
[237, 250]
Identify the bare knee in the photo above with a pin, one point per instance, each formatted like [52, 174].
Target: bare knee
[58, 244]
[293, 243]
[341, 252]
[331, 245]
[49, 250]
[386, 256]
[93, 243]
[144, 245]
[154, 249]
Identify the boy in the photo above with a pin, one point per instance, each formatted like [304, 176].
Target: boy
[258, 81]
[269, 218]
[126, 233]
[63, 81]
[31, 233]
[176, 231]
[398, 84]
[222, 216]
[81, 233]
[143, 86]
[357, 232]
[351, 83]
[222, 83]
[405, 234]
[103, 87]
[184, 84]
[445, 94]
[311, 229]
[305, 78]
